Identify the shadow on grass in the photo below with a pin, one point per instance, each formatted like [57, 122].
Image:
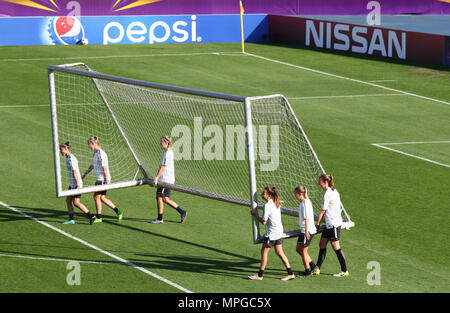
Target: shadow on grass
[7, 215]
[232, 264]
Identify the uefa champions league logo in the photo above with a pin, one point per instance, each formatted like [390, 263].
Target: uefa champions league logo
[66, 30]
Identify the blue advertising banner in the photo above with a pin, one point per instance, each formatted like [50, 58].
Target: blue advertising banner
[67, 30]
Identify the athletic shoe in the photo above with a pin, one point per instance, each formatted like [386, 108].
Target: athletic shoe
[92, 219]
[70, 222]
[342, 274]
[306, 274]
[157, 221]
[98, 220]
[119, 215]
[315, 270]
[288, 277]
[183, 217]
[255, 277]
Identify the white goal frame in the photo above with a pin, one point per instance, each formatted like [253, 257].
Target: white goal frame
[146, 180]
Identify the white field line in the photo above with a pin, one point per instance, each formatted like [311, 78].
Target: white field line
[412, 142]
[347, 78]
[383, 146]
[347, 96]
[382, 80]
[97, 248]
[55, 259]
[117, 56]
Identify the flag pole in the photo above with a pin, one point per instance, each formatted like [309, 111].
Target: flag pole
[241, 12]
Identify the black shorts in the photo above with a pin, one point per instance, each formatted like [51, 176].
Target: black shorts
[97, 183]
[332, 234]
[163, 192]
[271, 243]
[74, 196]
[303, 241]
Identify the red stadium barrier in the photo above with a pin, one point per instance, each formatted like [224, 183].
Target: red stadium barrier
[361, 39]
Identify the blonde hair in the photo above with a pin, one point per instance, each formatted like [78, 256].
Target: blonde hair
[273, 193]
[66, 145]
[329, 179]
[168, 139]
[95, 140]
[302, 190]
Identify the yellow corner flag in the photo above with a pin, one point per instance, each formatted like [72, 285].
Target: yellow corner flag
[241, 12]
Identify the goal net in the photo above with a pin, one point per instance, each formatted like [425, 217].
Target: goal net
[225, 147]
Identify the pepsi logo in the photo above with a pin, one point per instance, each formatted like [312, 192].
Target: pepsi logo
[66, 30]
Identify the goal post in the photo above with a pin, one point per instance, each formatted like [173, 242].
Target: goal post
[226, 147]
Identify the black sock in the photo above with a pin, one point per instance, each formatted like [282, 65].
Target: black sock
[289, 270]
[160, 217]
[70, 217]
[116, 210]
[260, 273]
[179, 209]
[341, 258]
[307, 270]
[312, 265]
[89, 215]
[321, 258]
[99, 216]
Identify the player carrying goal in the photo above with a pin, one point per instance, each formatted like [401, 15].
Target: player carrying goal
[273, 237]
[166, 174]
[75, 183]
[331, 212]
[101, 170]
[307, 229]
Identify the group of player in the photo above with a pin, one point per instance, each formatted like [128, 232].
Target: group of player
[100, 166]
[331, 213]
[331, 210]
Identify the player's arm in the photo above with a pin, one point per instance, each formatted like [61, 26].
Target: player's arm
[319, 219]
[256, 215]
[306, 229]
[87, 171]
[76, 178]
[160, 171]
[105, 174]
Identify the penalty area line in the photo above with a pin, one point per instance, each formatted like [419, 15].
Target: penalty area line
[346, 78]
[382, 146]
[97, 248]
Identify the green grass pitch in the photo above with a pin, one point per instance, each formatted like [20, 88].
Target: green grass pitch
[400, 203]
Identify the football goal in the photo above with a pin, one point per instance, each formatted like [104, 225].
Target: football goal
[226, 147]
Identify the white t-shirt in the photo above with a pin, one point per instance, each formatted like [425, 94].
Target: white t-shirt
[305, 212]
[272, 215]
[99, 160]
[168, 175]
[72, 164]
[331, 202]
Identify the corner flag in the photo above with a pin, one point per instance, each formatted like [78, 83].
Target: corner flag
[241, 12]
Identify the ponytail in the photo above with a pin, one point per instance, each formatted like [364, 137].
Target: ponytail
[168, 139]
[95, 140]
[329, 179]
[66, 145]
[302, 190]
[273, 193]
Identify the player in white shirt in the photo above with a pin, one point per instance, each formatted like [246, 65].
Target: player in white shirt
[331, 211]
[307, 229]
[75, 183]
[273, 237]
[166, 174]
[101, 170]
